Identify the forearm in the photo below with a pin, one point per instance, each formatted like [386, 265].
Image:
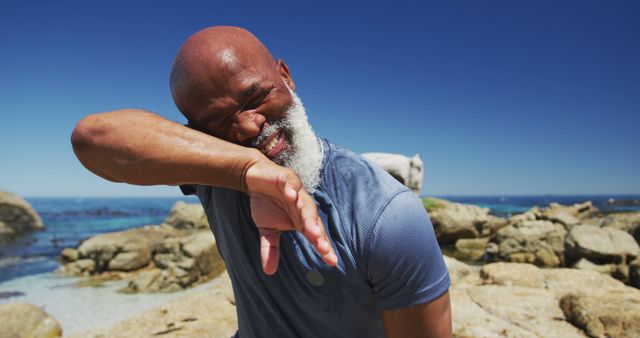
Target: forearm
[139, 147]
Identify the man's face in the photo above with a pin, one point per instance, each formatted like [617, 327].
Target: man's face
[247, 100]
[257, 108]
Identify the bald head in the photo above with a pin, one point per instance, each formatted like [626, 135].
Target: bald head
[211, 60]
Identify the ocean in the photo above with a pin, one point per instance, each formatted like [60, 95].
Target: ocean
[70, 220]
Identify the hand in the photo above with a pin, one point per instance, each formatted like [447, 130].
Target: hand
[279, 203]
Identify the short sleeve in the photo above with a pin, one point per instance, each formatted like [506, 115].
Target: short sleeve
[404, 263]
[188, 189]
[203, 192]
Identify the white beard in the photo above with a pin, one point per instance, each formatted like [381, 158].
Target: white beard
[304, 152]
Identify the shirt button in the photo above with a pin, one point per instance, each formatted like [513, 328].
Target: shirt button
[315, 278]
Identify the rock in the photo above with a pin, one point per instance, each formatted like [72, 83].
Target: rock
[605, 313]
[585, 264]
[471, 320]
[634, 273]
[471, 248]
[579, 210]
[568, 281]
[600, 245]
[533, 309]
[565, 219]
[531, 241]
[187, 216]
[206, 313]
[407, 170]
[512, 274]
[460, 272]
[17, 215]
[184, 261]
[453, 221]
[26, 320]
[625, 221]
[69, 255]
[131, 248]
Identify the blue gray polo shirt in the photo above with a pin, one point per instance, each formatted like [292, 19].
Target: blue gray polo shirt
[388, 257]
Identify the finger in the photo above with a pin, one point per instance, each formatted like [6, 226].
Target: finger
[325, 248]
[269, 250]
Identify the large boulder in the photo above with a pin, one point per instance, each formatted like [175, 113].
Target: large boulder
[19, 320]
[187, 216]
[180, 263]
[407, 170]
[17, 215]
[535, 310]
[625, 221]
[124, 250]
[600, 245]
[579, 211]
[531, 241]
[152, 259]
[604, 313]
[453, 221]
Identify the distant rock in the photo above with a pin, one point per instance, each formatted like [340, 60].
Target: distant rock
[187, 216]
[152, 259]
[600, 245]
[625, 221]
[407, 170]
[453, 221]
[531, 241]
[623, 202]
[17, 215]
[19, 320]
[471, 249]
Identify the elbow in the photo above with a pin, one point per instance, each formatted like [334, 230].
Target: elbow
[85, 134]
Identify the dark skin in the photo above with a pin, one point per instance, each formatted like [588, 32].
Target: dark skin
[229, 87]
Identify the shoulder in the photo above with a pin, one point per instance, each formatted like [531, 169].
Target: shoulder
[350, 177]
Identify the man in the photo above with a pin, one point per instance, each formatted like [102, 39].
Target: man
[362, 261]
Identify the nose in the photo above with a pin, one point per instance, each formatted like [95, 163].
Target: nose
[247, 126]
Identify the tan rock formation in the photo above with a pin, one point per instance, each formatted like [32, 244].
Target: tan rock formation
[18, 320]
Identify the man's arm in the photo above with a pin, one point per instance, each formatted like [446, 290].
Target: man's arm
[139, 147]
[429, 320]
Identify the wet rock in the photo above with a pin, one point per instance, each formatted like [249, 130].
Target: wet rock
[187, 216]
[17, 215]
[26, 320]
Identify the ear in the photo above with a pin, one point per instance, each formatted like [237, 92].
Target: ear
[286, 76]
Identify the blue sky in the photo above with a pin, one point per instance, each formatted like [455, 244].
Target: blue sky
[498, 97]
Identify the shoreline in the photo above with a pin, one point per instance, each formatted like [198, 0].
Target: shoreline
[79, 309]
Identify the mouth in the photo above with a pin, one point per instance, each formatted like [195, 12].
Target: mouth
[273, 145]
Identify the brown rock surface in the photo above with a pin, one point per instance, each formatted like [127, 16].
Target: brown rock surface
[19, 320]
